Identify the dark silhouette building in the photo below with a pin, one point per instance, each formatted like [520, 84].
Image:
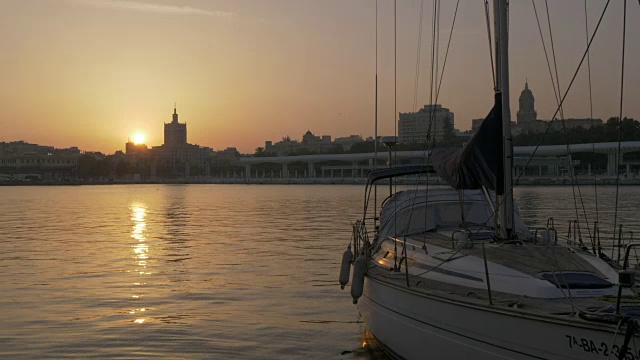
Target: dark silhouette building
[176, 157]
[526, 110]
[175, 133]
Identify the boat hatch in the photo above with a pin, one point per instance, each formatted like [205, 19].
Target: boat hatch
[481, 235]
[576, 280]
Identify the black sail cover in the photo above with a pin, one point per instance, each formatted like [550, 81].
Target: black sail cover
[480, 162]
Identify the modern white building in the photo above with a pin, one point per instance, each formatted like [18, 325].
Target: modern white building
[431, 119]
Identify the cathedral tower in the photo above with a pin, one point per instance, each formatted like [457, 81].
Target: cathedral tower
[526, 111]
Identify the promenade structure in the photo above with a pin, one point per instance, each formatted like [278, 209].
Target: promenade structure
[549, 160]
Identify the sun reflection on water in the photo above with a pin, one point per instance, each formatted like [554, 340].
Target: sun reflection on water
[140, 250]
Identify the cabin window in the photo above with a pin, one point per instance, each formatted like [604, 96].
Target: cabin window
[576, 280]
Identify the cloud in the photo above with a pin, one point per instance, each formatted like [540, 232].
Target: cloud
[155, 8]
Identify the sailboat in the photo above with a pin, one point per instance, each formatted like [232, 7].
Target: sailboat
[456, 273]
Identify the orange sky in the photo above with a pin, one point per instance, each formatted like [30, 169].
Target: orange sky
[91, 73]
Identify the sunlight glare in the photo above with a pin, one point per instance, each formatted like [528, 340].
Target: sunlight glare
[138, 138]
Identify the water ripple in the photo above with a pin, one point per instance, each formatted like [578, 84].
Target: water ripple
[199, 271]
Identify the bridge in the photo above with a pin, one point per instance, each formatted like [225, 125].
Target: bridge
[548, 160]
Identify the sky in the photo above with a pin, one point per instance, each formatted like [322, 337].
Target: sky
[92, 73]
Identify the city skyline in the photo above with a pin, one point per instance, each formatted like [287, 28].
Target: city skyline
[92, 73]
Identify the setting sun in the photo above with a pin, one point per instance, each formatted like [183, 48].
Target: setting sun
[138, 138]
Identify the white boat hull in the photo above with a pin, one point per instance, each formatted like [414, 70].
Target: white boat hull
[412, 325]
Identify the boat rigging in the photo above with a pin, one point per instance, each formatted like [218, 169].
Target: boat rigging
[438, 274]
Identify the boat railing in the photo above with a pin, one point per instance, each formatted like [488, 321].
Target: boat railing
[574, 234]
[623, 246]
[544, 234]
[612, 251]
[626, 278]
[551, 223]
[360, 236]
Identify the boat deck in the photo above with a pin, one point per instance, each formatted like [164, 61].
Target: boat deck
[527, 258]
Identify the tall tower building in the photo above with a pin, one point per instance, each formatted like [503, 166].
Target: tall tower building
[175, 133]
[526, 112]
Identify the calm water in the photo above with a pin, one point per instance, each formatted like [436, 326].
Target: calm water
[198, 271]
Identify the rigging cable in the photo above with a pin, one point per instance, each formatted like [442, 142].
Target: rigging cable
[416, 86]
[375, 140]
[493, 71]
[437, 66]
[573, 78]
[417, 82]
[553, 54]
[439, 84]
[617, 160]
[417, 78]
[563, 98]
[575, 74]
[426, 152]
[538, 145]
[546, 56]
[435, 43]
[395, 101]
[395, 86]
[586, 32]
[446, 54]
[566, 140]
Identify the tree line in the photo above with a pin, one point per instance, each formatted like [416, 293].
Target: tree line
[607, 132]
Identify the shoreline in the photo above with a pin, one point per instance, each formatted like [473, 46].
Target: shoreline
[524, 182]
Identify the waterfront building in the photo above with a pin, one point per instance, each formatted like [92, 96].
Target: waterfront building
[22, 160]
[348, 141]
[316, 144]
[135, 149]
[96, 155]
[527, 118]
[176, 157]
[310, 144]
[282, 148]
[569, 124]
[434, 119]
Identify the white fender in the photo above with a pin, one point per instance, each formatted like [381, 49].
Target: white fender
[357, 282]
[345, 268]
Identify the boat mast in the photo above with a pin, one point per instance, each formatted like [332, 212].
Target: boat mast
[504, 193]
[375, 136]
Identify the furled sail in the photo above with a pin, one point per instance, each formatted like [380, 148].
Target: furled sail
[479, 163]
